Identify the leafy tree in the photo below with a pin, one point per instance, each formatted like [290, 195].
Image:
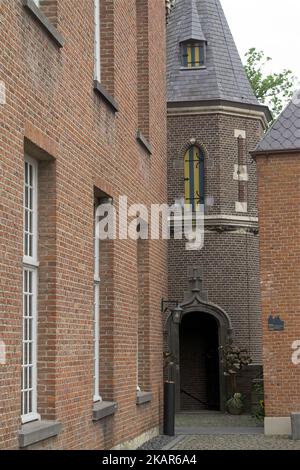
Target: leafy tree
[274, 89]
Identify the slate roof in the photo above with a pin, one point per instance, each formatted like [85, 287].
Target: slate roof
[285, 132]
[224, 77]
[190, 26]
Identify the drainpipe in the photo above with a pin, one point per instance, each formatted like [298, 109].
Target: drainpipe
[169, 408]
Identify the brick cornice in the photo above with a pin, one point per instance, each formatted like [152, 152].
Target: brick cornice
[274, 153]
[219, 109]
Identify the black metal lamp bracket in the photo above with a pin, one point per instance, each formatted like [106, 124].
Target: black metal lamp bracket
[165, 304]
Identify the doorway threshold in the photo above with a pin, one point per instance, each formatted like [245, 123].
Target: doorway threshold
[210, 420]
[214, 431]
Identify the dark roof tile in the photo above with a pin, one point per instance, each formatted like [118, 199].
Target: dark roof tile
[285, 132]
[224, 77]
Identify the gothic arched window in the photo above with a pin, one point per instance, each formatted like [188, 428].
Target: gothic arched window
[194, 177]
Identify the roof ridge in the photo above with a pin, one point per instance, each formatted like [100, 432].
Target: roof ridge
[191, 26]
[218, 5]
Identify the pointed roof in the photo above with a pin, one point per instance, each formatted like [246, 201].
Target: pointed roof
[224, 77]
[190, 27]
[284, 135]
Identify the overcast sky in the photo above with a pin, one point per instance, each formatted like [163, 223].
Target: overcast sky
[270, 25]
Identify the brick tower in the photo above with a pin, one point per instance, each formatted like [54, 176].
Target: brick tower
[214, 120]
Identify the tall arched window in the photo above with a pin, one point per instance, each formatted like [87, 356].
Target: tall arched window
[194, 177]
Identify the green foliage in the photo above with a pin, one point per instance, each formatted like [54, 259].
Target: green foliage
[260, 413]
[258, 387]
[258, 396]
[234, 359]
[236, 401]
[274, 89]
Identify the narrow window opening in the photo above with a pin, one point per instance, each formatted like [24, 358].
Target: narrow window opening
[97, 396]
[143, 324]
[194, 177]
[30, 293]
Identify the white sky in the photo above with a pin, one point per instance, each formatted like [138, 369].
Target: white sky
[269, 25]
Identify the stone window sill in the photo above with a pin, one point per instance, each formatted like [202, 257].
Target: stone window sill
[43, 20]
[103, 409]
[143, 397]
[106, 96]
[143, 142]
[37, 431]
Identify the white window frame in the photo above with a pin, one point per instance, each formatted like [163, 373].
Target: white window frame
[138, 388]
[37, 2]
[32, 260]
[30, 265]
[97, 46]
[97, 397]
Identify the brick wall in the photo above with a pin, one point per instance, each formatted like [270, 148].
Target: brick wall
[229, 258]
[51, 101]
[278, 202]
[49, 8]
[216, 133]
[47, 289]
[142, 18]
[106, 377]
[107, 45]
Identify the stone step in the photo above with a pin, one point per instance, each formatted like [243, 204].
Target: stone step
[206, 430]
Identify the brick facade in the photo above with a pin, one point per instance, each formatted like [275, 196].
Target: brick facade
[229, 258]
[278, 203]
[83, 147]
[215, 134]
[49, 8]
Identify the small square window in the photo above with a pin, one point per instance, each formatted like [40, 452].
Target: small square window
[193, 54]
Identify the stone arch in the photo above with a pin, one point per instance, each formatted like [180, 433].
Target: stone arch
[196, 303]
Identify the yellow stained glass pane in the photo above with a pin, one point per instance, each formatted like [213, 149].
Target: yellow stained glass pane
[197, 56]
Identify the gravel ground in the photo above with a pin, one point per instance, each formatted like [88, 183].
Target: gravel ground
[237, 442]
[157, 443]
[231, 437]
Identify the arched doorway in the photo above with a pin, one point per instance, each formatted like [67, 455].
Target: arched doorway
[197, 331]
[199, 363]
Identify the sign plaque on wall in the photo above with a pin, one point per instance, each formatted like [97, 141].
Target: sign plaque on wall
[275, 323]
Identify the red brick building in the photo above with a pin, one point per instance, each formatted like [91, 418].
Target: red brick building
[83, 121]
[278, 168]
